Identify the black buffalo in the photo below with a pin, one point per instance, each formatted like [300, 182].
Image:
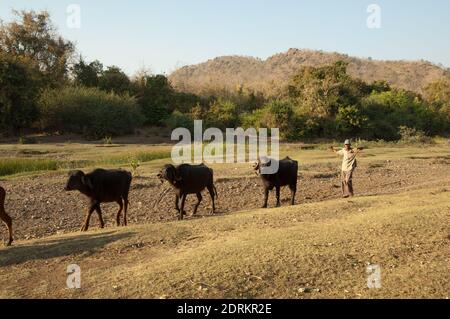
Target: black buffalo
[4, 217]
[189, 179]
[102, 186]
[286, 175]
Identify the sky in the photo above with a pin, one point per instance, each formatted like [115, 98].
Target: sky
[163, 35]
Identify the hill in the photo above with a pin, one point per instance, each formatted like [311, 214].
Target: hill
[268, 76]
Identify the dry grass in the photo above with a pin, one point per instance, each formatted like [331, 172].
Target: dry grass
[324, 246]
[261, 253]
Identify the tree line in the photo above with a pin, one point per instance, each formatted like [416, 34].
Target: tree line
[46, 86]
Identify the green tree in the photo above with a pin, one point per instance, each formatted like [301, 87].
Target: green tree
[325, 97]
[350, 121]
[278, 114]
[320, 90]
[438, 95]
[178, 119]
[88, 111]
[113, 79]
[222, 114]
[20, 83]
[87, 74]
[33, 36]
[155, 95]
[387, 111]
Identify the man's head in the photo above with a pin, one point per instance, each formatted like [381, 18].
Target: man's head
[347, 144]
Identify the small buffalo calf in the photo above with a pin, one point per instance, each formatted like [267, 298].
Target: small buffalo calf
[189, 179]
[4, 217]
[286, 175]
[102, 186]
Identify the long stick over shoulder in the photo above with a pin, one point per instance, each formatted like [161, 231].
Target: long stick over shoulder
[161, 195]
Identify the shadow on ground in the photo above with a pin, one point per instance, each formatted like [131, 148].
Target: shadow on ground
[51, 248]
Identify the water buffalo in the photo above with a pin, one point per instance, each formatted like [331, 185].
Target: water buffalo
[286, 175]
[102, 186]
[4, 216]
[189, 179]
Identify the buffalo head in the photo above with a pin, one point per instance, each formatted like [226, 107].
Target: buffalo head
[77, 181]
[263, 161]
[169, 173]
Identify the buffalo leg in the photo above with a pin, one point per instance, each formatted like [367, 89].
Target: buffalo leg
[118, 213]
[212, 194]
[177, 202]
[8, 222]
[183, 200]
[5, 217]
[177, 199]
[199, 197]
[277, 192]
[85, 226]
[100, 218]
[125, 201]
[293, 191]
[266, 197]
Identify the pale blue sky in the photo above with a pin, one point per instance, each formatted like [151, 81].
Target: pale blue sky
[165, 34]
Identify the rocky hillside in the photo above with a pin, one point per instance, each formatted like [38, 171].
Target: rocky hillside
[268, 76]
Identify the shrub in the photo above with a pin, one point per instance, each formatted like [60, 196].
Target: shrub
[387, 111]
[412, 136]
[308, 126]
[350, 120]
[156, 98]
[178, 119]
[253, 119]
[89, 111]
[134, 164]
[107, 140]
[27, 140]
[222, 114]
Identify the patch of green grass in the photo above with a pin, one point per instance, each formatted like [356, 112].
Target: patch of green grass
[150, 156]
[17, 165]
[141, 157]
[27, 140]
[12, 165]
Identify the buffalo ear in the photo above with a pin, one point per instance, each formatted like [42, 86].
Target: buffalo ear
[267, 162]
[87, 181]
[174, 176]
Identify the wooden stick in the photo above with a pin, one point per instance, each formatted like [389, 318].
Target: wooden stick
[164, 192]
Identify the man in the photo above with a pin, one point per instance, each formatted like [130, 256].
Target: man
[348, 166]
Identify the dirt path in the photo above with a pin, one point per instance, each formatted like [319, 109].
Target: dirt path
[40, 207]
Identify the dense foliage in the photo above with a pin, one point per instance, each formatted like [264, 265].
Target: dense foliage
[43, 87]
[20, 83]
[88, 111]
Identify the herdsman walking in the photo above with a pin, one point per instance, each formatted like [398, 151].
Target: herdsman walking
[348, 166]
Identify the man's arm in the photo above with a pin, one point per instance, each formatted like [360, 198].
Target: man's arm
[359, 149]
[336, 151]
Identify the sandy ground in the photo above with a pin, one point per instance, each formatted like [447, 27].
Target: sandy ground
[40, 207]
